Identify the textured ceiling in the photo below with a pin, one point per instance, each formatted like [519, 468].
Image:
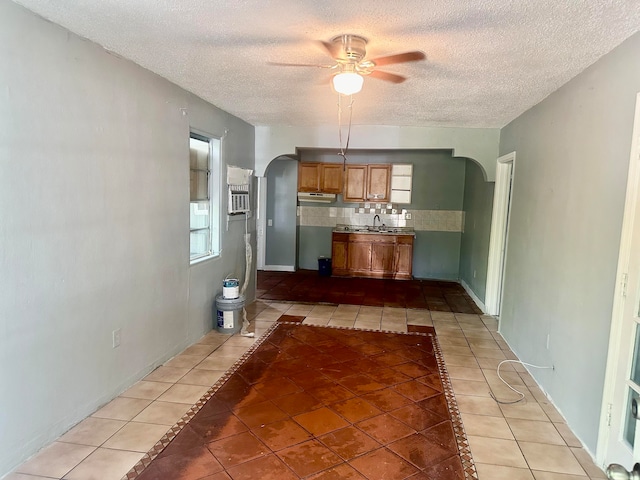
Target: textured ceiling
[487, 60]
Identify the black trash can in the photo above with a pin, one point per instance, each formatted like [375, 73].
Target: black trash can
[324, 266]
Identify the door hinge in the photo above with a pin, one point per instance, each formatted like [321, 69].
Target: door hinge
[623, 284]
[609, 408]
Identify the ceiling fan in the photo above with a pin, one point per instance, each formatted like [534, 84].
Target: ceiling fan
[348, 52]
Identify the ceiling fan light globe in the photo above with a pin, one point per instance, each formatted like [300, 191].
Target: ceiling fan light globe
[348, 83]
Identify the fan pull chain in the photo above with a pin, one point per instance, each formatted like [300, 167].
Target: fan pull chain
[343, 151]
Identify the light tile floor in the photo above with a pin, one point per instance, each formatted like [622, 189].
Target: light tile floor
[525, 441]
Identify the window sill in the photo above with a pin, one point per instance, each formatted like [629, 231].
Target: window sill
[203, 259]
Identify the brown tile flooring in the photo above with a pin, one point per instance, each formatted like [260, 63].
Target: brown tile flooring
[308, 286]
[321, 403]
[525, 441]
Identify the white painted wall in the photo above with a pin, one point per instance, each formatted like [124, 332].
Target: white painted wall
[568, 198]
[94, 192]
[480, 144]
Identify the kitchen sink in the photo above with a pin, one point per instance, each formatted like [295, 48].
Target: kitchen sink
[370, 229]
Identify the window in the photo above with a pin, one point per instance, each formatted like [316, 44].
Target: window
[204, 160]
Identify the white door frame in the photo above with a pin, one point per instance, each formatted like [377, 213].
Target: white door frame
[619, 346]
[498, 236]
[261, 243]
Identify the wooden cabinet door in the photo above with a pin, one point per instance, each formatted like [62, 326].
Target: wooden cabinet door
[331, 178]
[309, 177]
[378, 183]
[382, 258]
[404, 257]
[359, 256]
[339, 253]
[355, 183]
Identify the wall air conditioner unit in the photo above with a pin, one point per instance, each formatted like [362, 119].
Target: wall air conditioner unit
[239, 185]
[316, 197]
[238, 199]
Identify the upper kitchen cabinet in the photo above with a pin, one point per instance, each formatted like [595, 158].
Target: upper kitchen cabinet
[331, 177]
[367, 183]
[378, 182]
[309, 177]
[320, 177]
[355, 183]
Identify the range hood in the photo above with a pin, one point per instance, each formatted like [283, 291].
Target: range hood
[316, 197]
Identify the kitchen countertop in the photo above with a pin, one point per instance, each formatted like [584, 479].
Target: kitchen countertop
[378, 230]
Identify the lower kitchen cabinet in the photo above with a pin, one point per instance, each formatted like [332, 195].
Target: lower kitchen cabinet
[359, 256]
[404, 256]
[371, 255]
[382, 257]
[339, 253]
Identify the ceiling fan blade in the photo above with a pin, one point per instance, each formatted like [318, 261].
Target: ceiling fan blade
[399, 58]
[388, 77]
[279, 64]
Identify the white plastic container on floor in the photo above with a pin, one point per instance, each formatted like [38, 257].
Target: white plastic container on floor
[228, 314]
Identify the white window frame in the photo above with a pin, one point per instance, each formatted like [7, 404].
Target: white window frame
[214, 189]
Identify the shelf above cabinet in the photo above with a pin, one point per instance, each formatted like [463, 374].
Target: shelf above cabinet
[401, 183]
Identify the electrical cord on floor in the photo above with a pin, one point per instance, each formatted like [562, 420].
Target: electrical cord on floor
[507, 384]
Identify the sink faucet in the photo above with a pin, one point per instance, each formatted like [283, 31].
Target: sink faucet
[374, 219]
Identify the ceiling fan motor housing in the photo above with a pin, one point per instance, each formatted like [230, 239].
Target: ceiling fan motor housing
[349, 48]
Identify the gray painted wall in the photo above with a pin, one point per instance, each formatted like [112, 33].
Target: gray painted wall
[474, 249]
[438, 184]
[94, 195]
[568, 197]
[313, 242]
[436, 255]
[280, 238]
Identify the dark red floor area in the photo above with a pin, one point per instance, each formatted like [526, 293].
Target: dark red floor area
[325, 403]
[308, 286]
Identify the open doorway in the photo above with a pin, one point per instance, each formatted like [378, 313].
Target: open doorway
[277, 218]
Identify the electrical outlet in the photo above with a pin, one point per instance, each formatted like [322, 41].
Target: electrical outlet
[407, 216]
[116, 337]
[270, 222]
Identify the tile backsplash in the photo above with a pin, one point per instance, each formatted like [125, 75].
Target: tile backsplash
[390, 215]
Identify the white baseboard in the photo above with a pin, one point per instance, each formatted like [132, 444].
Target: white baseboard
[279, 268]
[473, 296]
